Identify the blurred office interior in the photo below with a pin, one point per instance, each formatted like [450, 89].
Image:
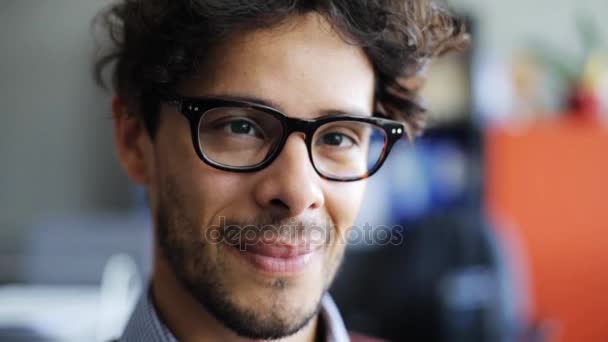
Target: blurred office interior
[501, 203]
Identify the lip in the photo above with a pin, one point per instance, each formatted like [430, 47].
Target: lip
[277, 259]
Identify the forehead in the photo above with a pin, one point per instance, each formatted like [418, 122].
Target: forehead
[303, 65]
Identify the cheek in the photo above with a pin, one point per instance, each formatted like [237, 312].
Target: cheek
[213, 193]
[343, 201]
[205, 191]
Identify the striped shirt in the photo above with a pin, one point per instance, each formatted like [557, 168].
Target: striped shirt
[145, 325]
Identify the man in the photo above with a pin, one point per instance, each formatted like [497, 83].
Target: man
[253, 126]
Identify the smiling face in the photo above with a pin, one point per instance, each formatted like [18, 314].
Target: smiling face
[274, 288]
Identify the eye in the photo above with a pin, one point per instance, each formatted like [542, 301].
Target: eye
[336, 139]
[241, 127]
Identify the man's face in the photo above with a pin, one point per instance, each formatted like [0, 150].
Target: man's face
[273, 289]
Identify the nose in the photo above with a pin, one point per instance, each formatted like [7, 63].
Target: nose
[290, 185]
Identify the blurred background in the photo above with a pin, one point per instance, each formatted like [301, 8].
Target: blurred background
[501, 204]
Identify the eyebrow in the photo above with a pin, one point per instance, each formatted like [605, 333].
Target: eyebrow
[274, 105]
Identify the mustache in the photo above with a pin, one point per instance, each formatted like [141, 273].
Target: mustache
[272, 230]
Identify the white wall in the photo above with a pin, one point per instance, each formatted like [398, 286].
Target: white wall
[56, 154]
[508, 25]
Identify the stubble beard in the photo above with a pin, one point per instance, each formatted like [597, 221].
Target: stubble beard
[185, 249]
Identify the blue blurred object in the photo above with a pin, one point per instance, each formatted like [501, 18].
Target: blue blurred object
[425, 177]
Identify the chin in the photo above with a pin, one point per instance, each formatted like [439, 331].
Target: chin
[271, 309]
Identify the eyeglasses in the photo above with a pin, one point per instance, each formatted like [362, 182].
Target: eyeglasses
[242, 136]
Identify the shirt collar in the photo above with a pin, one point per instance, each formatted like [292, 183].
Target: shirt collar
[145, 325]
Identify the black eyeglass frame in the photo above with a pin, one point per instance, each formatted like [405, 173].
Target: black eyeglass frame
[193, 108]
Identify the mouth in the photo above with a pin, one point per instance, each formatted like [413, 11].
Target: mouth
[277, 259]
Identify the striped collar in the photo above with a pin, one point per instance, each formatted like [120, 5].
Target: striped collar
[145, 325]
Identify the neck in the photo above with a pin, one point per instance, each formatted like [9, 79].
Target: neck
[188, 320]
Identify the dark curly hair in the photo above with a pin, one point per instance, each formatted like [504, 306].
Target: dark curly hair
[157, 44]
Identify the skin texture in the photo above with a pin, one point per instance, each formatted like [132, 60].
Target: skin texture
[202, 290]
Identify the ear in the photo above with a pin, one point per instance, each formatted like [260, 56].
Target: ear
[133, 144]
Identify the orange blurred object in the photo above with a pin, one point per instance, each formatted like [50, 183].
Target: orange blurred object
[549, 181]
